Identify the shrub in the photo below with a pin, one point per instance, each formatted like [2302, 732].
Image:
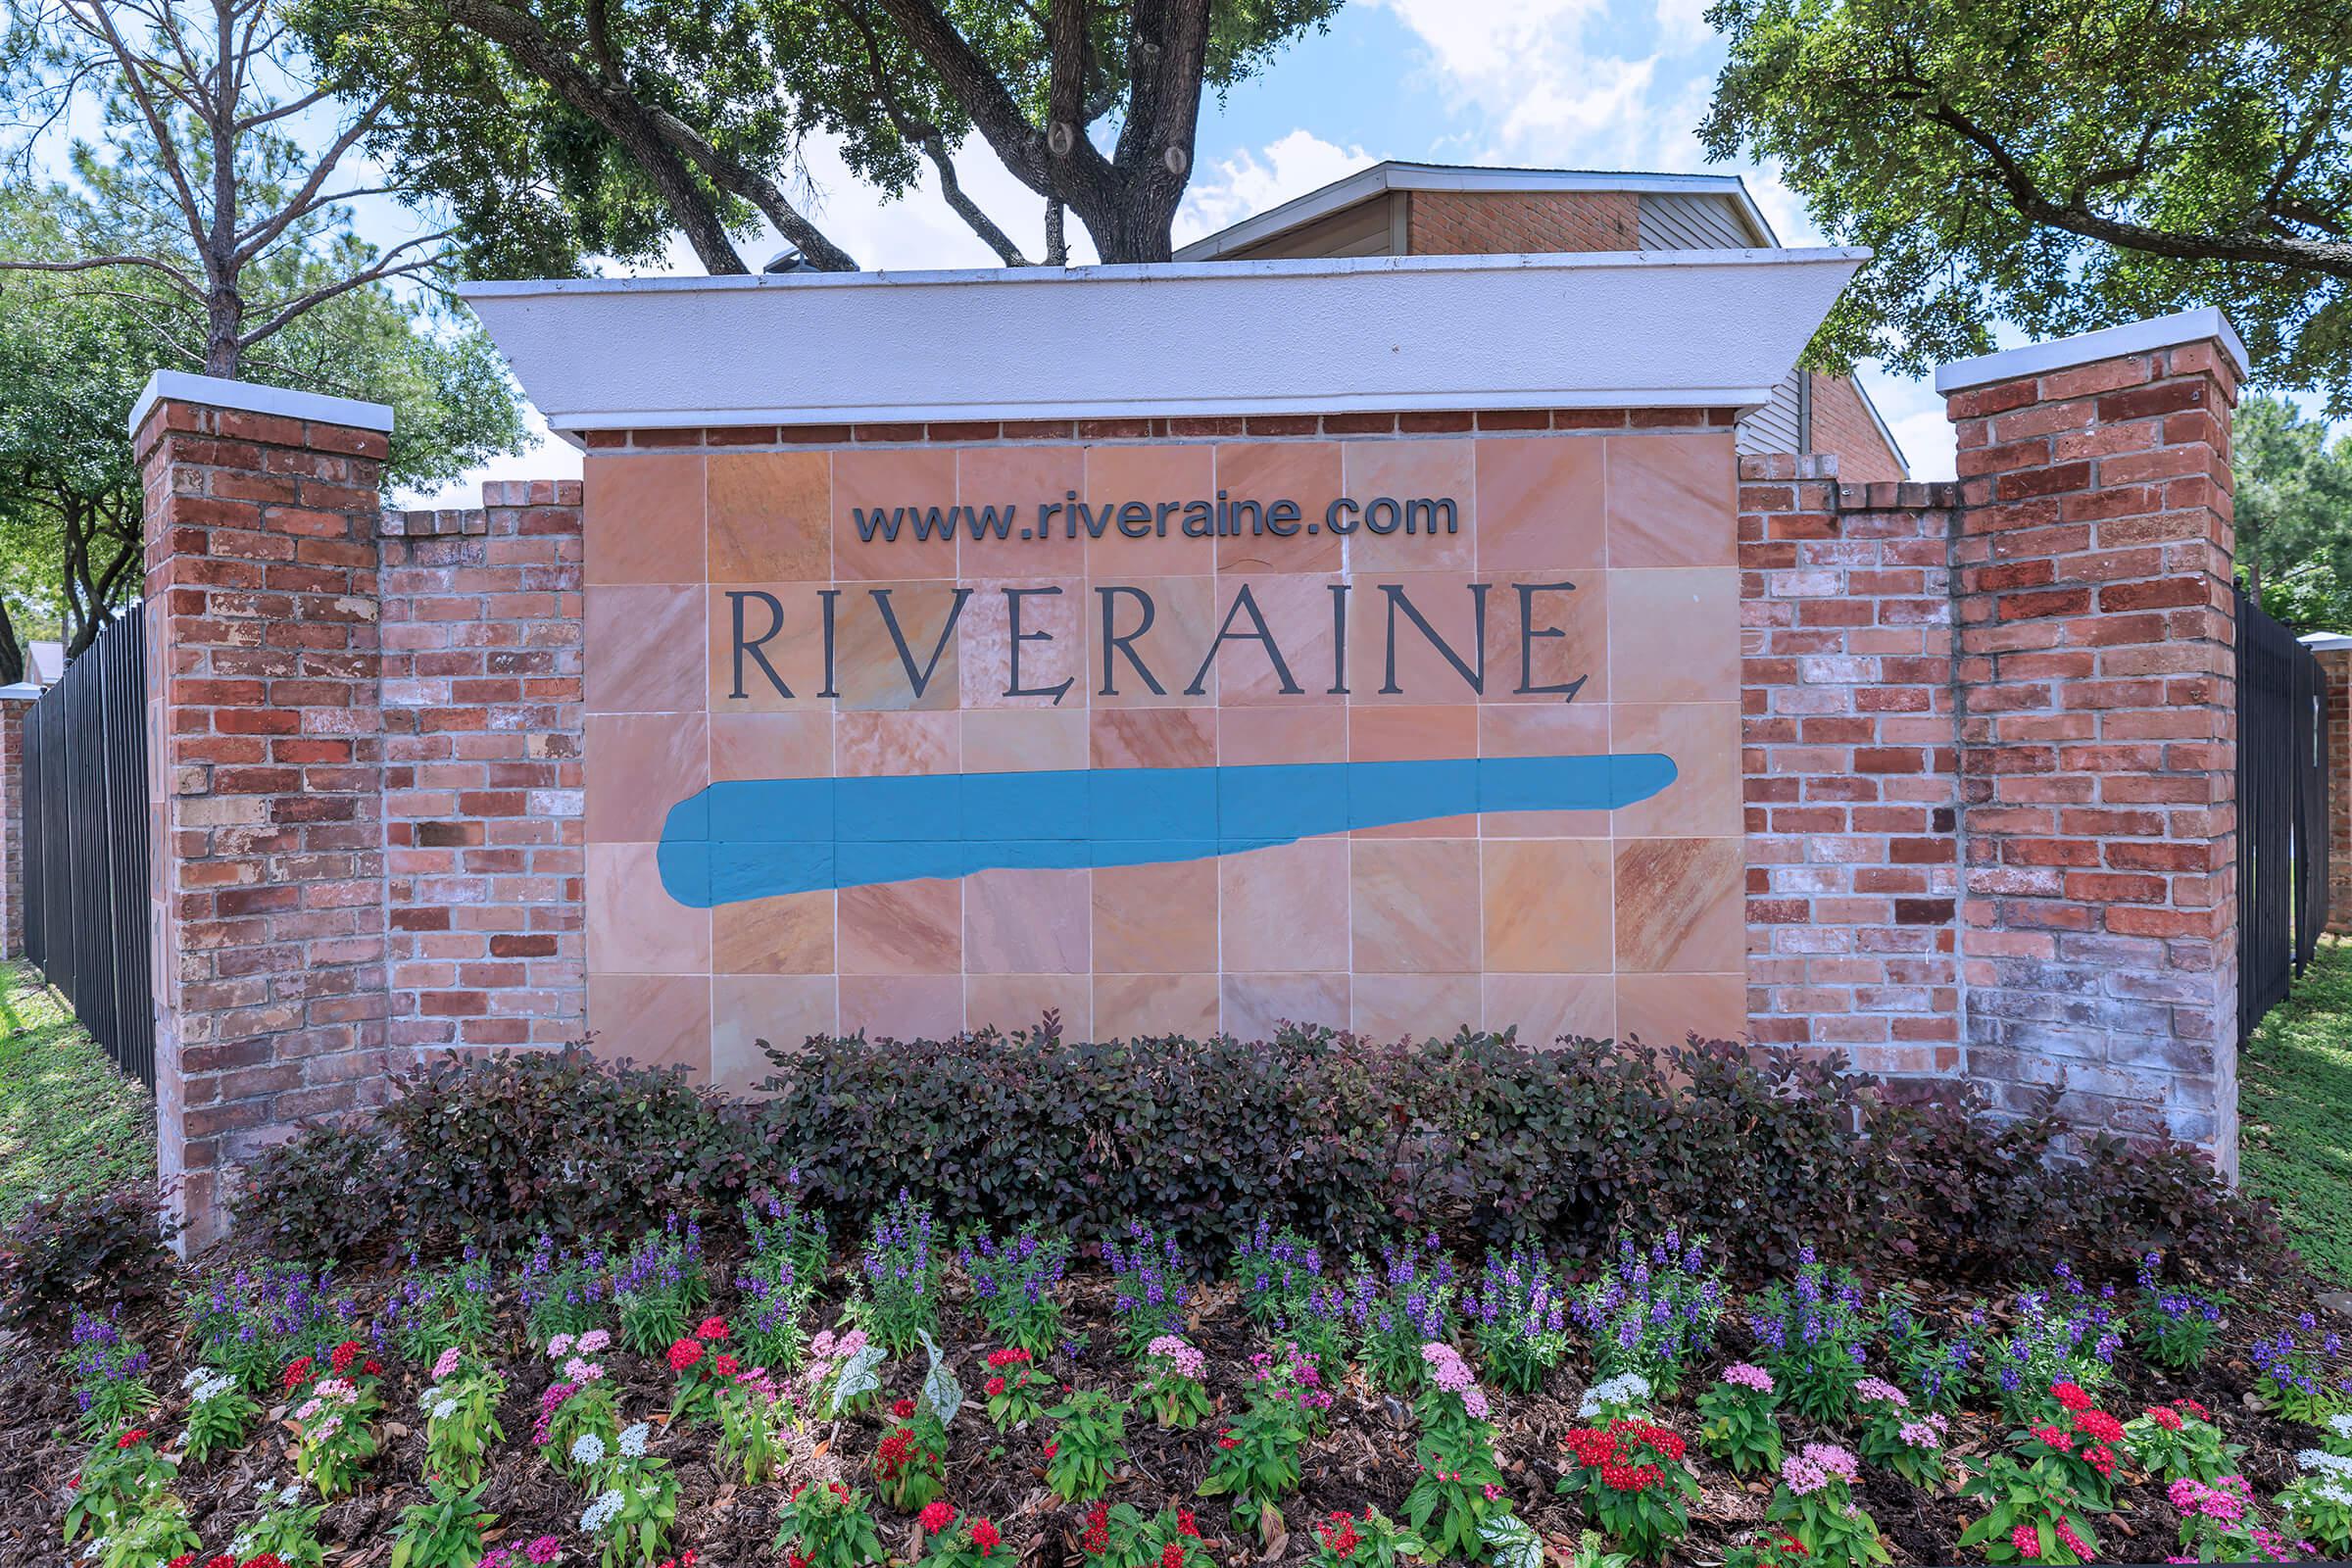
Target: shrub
[61, 1245]
[1482, 1139]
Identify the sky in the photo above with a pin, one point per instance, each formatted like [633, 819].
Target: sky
[1603, 84]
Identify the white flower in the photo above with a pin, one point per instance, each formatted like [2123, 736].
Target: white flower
[602, 1512]
[2327, 1464]
[1624, 1392]
[214, 1385]
[196, 1375]
[97, 1544]
[444, 1409]
[587, 1449]
[2340, 1423]
[632, 1440]
[290, 1494]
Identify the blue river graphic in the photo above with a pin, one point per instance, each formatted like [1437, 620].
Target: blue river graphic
[760, 838]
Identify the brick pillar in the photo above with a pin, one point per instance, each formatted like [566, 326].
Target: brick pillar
[482, 789]
[2335, 662]
[15, 702]
[2097, 725]
[1846, 683]
[265, 776]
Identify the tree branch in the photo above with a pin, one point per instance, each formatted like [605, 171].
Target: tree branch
[189, 285]
[381, 270]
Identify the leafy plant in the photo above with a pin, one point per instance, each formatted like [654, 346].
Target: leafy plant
[2317, 1505]
[333, 1437]
[1810, 1335]
[1736, 1420]
[702, 1368]
[901, 1277]
[1256, 1461]
[1088, 1446]
[2032, 1511]
[1014, 1283]
[1517, 1316]
[2179, 1443]
[826, 1525]
[1458, 1493]
[59, 1246]
[283, 1527]
[445, 1530]
[962, 1544]
[1367, 1540]
[119, 1479]
[910, 1462]
[1631, 1481]
[1011, 1388]
[427, 1311]
[110, 1376]
[2294, 1379]
[1767, 1548]
[631, 1516]
[1150, 1291]
[2064, 1334]
[789, 1252]
[1120, 1536]
[461, 1415]
[752, 1416]
[155, 1530]
[659, 1287]
[1274, 1270]
[2222, 1523]
[1932, 1369]
[1407, 1304]
[2081, 1440]
[255, 1321]
[565, 1291]
[1171, 1387]
[1814, 1502]
[219, 1414]
[1653, 1308]
[580, 1406]
[1908, 1442]
[2175, 1328]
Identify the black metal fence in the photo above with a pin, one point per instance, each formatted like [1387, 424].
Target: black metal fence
[85, 853]
[2282, 810]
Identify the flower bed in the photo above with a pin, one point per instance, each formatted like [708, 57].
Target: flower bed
[762, 1394]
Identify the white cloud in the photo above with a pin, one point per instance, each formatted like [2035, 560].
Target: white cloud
[1915, 413]
[1249, 182]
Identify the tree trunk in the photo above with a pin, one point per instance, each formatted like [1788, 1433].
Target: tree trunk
[1130, 222]
[11, 652]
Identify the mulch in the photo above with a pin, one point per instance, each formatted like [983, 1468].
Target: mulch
[1364, 1457]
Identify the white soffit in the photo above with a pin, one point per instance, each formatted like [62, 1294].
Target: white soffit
[2083, 348]
[1608, 330]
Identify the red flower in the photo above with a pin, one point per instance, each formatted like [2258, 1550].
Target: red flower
[2070, 1395]
[892, 1453]
[1226, 1439]
[1098, 1531]
[296, 1373]
[724, 1365]
[904, 1409]
[1006, 1358]
[131, 1439]
[2170, 1420]
[343, 1355]
[1185, 1525]
[1790, 1547]
[222, 1560]
[2063, 1441]
[2100, 1425]
[1340, 1535]
[985, 1537]
[937, 1516]
[993, 1387]
[684, 1353]
[2194, 1408]
[371, 1367]
[267, 1560]
[183, 1560]
[1053, 1448]
[793, 1560]
[712, 1327]
[1171, 1556]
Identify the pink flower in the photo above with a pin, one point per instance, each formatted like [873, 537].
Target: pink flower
[1878, 1390]
[1741, 1374]
[593, 1340]
[1833, 1461]
[559, 1345]
[446, 1362]
[2027, 1540]
[544, 1550]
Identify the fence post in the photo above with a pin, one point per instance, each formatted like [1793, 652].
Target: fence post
[15, 702]
[2098, 722]
[265, 735]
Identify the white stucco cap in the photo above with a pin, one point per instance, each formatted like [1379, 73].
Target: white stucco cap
[1606, 329]
[2204, 325]
[251, 397]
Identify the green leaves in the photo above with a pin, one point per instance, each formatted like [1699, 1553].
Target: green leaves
[2058, 167]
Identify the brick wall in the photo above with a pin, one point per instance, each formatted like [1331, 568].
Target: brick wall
[481, 693]
[1850, 765]
[2336, 665]
[1842, 427]
[1449, 222]
[2097, 719]
[265, 780]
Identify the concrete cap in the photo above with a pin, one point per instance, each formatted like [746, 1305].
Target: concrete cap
[252, 397]
[2205, 325]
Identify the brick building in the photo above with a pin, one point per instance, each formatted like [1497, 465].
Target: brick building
[1497, 688]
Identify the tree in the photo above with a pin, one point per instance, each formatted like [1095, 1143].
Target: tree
[2061, 164]
[74, 359]
[562, 128]
[2293, 505]
[198, 98]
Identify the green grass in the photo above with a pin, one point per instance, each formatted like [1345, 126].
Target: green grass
[68, 1122]
[2295, 1104]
